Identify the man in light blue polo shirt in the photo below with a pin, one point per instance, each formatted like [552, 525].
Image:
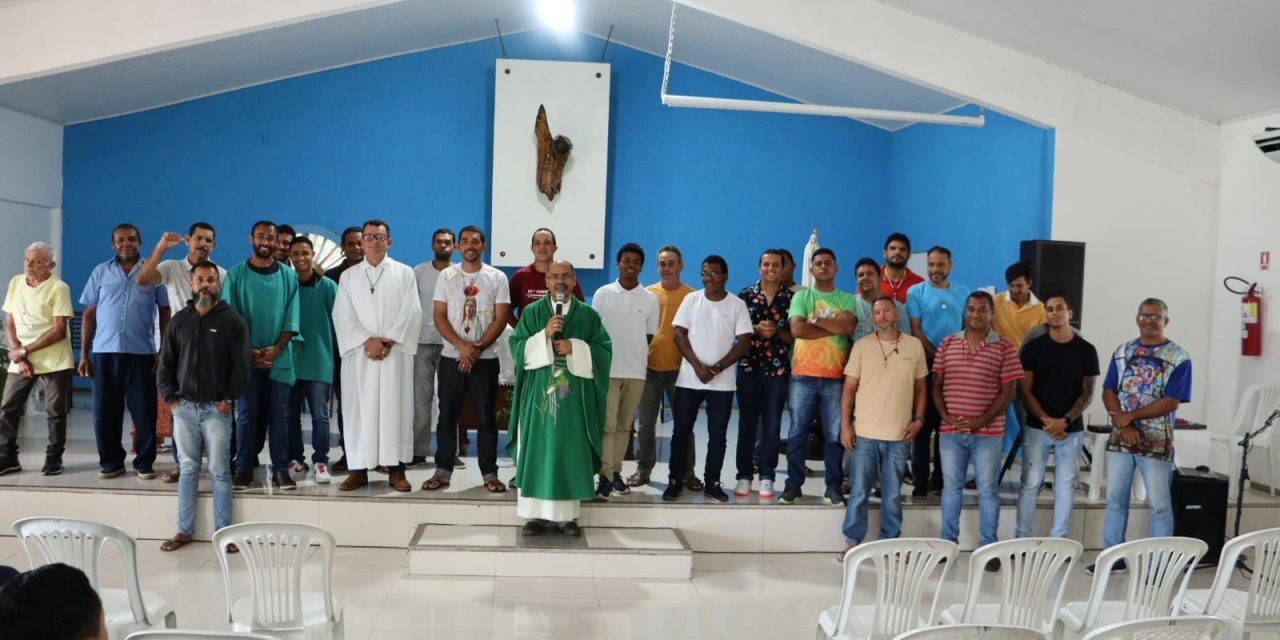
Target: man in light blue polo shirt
[118, 350]
[936, 308]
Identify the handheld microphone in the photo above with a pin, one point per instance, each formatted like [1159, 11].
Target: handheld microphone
[559, 298]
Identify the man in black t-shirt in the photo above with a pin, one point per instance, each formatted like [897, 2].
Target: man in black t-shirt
[1060, 371]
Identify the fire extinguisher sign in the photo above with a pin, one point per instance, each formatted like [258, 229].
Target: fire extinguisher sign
[1264, 260]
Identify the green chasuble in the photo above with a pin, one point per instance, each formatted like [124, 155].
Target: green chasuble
[557, 418]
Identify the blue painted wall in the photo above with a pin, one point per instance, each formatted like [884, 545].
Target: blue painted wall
[409, 139]
[978, 192]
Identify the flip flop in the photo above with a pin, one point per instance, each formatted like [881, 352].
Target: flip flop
[435, 482]
[494, 485]
[175, 543]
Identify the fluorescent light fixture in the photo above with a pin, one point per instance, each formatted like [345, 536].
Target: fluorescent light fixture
[558, 14]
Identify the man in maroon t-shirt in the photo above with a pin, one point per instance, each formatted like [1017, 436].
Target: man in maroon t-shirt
[895, 277]
[529, 284]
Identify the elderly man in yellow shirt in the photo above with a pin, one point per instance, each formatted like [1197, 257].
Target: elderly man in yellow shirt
[1017, 310]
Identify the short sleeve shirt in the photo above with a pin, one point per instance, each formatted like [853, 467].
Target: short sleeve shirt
[427, 278]
[33, 310]
[175, 275]
[972, 377]
[125, 311]
[663, 354]
[898, 290]
[472, 299]
[713, 328]
[941, 311]
[1059, 371]
[823, 357]
[769, 355]
[1141, 374]
[630, 316]
[528, 285]
[866, 326]
[887, 372]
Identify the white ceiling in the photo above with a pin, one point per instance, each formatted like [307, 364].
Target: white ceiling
[702, 40]
[1217, 59]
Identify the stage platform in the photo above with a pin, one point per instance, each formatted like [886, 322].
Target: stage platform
[376, 516]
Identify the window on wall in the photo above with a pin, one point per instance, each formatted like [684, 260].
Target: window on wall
[325, 242]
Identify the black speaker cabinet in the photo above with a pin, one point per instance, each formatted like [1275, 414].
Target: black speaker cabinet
[1200, 508]
[1057, 266]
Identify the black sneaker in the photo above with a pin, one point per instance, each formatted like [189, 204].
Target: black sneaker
[1118, 567]
[833, 498]
[604, 488]
[920, 491]
[417, 462]
[282, 480]
[790, 495]
[9, 464]
[715, 493]
[242, 480]
[52, 467]
[674, 489]
[620, 487]
[459, 464]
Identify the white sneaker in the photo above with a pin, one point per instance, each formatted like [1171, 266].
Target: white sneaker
[766, 489]
[742, 489]
[297, 469]
[322, 473]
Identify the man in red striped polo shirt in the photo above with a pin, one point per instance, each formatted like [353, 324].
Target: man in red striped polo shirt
[975, 375]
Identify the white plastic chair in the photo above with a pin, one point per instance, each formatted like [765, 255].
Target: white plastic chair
[1029, 567]
[79, 543]
[973, 632]
[196, 635]
[1254, 610]
[903, 569]
[1256, 403]
[275, 553]
[1156, 580]
[1163, 628]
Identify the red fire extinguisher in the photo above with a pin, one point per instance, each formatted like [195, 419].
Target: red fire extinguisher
[1250, 316]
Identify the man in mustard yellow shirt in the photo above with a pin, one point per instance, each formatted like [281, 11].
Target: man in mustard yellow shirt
[37, 306]
[1017, 310]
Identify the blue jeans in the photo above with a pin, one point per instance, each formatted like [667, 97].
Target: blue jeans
[810, 395]
[883, 461]
[957, 451]
[263, 396]
[119, 380]
[316, 395]
[1036, 447]
[196, 426]
[760, 402]
[1157, 475]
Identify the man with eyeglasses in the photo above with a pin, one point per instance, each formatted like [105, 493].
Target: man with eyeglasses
[1146, 380]
[975, 374]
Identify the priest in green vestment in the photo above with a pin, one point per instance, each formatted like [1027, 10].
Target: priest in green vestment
[558, 406]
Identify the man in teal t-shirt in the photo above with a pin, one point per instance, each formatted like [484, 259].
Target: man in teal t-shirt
[822, 318]
[312, 361]
[265, 293]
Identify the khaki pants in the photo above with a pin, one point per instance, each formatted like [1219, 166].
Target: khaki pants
[620, 414]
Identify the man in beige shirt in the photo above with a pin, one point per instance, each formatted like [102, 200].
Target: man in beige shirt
[881, 409]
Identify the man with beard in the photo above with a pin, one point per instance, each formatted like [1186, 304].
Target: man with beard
[562, 354]
[427, 359]
[377, 318]
[284, 240]
[265, 293]
[529, 283]
[869, 290]
[118, 350]
[175, 275]
[37, 306]
[896, 278]
[471, 304]
[352, 254]
[204, 367]
[936, 308]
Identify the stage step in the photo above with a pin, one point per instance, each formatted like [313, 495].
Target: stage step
[500, 550]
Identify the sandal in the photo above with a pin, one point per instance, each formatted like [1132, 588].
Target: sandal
[638, 479]
[175, 543]
[231, 548]
[437, 481]
[494, 485]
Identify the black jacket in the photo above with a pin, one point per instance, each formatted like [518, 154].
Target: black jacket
[204, 358]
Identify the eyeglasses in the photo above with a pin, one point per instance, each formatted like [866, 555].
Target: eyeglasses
[377, 237]
[1150, 317]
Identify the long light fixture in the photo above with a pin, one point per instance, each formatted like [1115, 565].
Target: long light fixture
[698, 102]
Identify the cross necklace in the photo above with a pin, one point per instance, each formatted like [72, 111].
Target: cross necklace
[374, 283]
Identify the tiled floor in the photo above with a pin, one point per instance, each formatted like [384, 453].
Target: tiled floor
[731, 596]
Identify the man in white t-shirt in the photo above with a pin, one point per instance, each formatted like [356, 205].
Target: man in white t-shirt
[471, 303]
[630, 314]
[430, 344]
[713, 332]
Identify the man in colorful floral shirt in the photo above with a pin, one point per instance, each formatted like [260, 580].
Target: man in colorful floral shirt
[763, 374]
[1146, 381]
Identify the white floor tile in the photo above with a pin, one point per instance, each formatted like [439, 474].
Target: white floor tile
[430, 616]
[577, 589]
[579, 618]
